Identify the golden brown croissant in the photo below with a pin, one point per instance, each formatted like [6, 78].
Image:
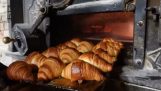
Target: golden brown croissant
[115, 45]
[35, 58]
[50, 69]
[70, 44]
[51, 52]
[76, 41]
[104, 55]
[79, 70]
[85, 46]
[68, 55]
[61, 46]
[96, 61]
[110, 40]
[106, 47]
[67, 44]
[21, 71]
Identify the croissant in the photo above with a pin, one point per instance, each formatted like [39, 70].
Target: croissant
[96, 61]
[68, 55]
[35, 58]
[51, 52]
[85, 46]
[61, 46]
[79, 70]
[115, 45]
[104, 55]
[67, 44]
[110, 40]
[21, 71]
[76, 41]
[50, 69]
[105, 47]
[70, 44]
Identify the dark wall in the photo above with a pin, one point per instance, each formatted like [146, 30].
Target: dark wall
[16, 7]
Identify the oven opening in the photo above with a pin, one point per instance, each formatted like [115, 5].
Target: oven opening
[94, 27]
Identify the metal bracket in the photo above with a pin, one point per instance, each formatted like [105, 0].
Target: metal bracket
[139, 33]
[94, 6]
[39, 19]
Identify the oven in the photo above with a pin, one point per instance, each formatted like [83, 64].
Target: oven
[37, 25]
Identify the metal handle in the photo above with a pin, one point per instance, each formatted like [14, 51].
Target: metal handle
[7, 40]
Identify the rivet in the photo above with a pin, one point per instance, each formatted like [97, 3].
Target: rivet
[138, 61]
[140, 23]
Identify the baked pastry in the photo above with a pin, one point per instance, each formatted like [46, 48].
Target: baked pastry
[85, 46]
[111, 46]
[106, 47]
[51, 52]
[76, 41]
[70, 44]
[50, 69]
[67, 55]
[110, 40]
[117, 46]
[61, 46]
[67, 44]
[35, 58]
[104, 55]
[21, 71]
[79, 70]
[96, 61]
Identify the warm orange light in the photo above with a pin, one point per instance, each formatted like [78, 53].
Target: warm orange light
[114, 24]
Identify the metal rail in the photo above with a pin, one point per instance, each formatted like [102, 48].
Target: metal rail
[94, 6]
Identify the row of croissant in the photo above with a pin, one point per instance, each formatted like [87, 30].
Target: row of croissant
[75, 60]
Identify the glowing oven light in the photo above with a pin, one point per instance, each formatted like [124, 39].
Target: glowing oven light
[115, 24]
